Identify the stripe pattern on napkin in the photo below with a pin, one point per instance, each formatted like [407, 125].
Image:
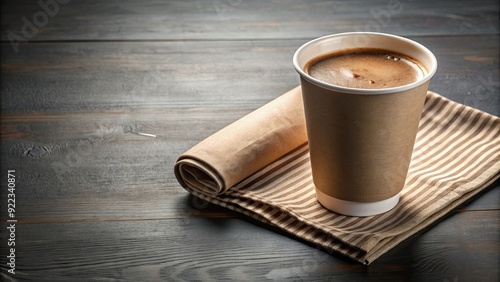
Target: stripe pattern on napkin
[456, 155]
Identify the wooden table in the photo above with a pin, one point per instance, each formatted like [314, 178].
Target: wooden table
[83, 83]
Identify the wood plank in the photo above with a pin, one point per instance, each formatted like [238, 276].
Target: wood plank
[230, 249]
[460, 248]
[86, 167]
[237, 19]
[60, 77]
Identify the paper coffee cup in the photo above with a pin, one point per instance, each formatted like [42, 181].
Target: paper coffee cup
[361, 140]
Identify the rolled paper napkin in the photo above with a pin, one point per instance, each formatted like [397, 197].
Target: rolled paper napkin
[245, 146]
[259, 166]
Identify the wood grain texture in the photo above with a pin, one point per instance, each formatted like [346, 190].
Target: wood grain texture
[255, 20]
[231, 74]
[233, 250]
[98, 201]
[95, 166]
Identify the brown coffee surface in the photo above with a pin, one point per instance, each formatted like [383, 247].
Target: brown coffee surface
[366, 68]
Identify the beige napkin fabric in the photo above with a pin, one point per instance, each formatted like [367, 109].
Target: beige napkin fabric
[259, 166]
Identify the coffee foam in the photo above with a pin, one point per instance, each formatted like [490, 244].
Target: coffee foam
[367, 68]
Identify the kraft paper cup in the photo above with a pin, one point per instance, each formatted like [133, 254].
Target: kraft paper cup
[361, 140]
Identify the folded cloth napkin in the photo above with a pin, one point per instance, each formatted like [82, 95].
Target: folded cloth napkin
[259, 166]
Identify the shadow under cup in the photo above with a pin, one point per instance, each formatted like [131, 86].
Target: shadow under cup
[361, 140]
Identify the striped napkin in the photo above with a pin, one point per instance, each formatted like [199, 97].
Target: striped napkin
[259, 166]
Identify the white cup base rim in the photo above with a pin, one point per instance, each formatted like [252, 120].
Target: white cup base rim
[356, 208]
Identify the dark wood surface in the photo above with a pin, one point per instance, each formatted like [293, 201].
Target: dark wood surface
[97, 201]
